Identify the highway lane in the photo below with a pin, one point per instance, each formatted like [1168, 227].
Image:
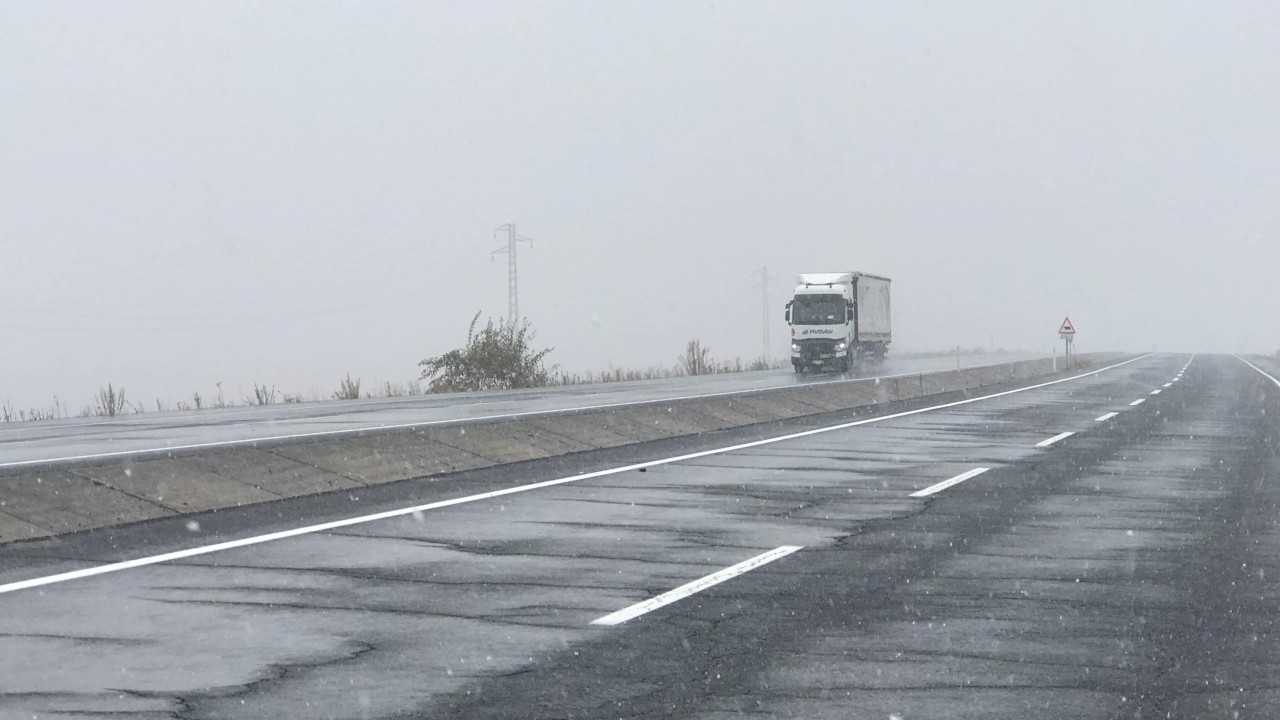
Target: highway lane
[1125, 569]
[87, 438]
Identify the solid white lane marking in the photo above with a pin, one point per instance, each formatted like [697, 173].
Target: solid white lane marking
[388, 514]
[696, 586]
[1054, 439]
[948, 483]
[1260, 370]
[1106, 417]
[447, 421]
[1137, 402]
[1156, 391]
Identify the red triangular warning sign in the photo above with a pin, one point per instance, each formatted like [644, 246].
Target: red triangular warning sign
[1067, 328]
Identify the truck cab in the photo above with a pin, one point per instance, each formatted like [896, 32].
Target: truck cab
[838, 320]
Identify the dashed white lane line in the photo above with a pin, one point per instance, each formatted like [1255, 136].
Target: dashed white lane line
[1168, 384]
[1054, 439]
[1137, 402]
[684, 591]
[414, 509]
[948, 483]
[1104, 418]
[1156, 391]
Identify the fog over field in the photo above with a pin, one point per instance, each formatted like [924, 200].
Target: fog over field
[285, 192]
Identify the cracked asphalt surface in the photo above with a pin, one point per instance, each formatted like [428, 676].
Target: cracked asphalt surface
[1129, 570]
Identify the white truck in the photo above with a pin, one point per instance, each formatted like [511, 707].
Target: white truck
[839, 321]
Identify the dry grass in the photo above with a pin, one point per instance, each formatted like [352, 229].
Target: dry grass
[262, 395]
[8, 413]
[660, 372]
[111, 401]
[348, 389]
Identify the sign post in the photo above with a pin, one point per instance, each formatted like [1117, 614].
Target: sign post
[1067, 331]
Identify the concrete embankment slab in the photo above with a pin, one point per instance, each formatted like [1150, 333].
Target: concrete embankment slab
[43, 501]
[67, 501]
[379, 458]
[179, 484]
[12, 529]
[273, 472]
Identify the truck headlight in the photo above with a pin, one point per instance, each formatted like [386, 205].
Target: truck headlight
[841, 345]
[795, 347]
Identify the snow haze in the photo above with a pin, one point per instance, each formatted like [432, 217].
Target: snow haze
[281, 193]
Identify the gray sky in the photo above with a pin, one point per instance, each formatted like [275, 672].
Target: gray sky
[284, 192]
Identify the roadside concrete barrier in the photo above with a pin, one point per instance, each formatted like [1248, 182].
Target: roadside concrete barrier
[39, 502]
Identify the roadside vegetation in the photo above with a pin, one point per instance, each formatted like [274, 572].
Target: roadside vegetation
[348, 389]
[696, 359]
[659, 372]
[494, 357]
[9, 413]
[110, 402]
[262, 395]
[498, 357]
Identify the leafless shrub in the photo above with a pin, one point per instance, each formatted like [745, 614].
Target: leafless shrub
[199, 401]
[221, 400]
[390, 389]
[36, 414]
[696, 359]
[292, 399]
[348, 389]
[109, 402]
[415, 387]
[262, 395]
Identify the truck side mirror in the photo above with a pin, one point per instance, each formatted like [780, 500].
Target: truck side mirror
[788, 313]
[848, 306]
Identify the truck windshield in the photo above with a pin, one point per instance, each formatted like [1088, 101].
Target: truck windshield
[817, 310]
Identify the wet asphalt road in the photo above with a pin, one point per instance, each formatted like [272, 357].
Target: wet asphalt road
[1128, 570]
[83, 438]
